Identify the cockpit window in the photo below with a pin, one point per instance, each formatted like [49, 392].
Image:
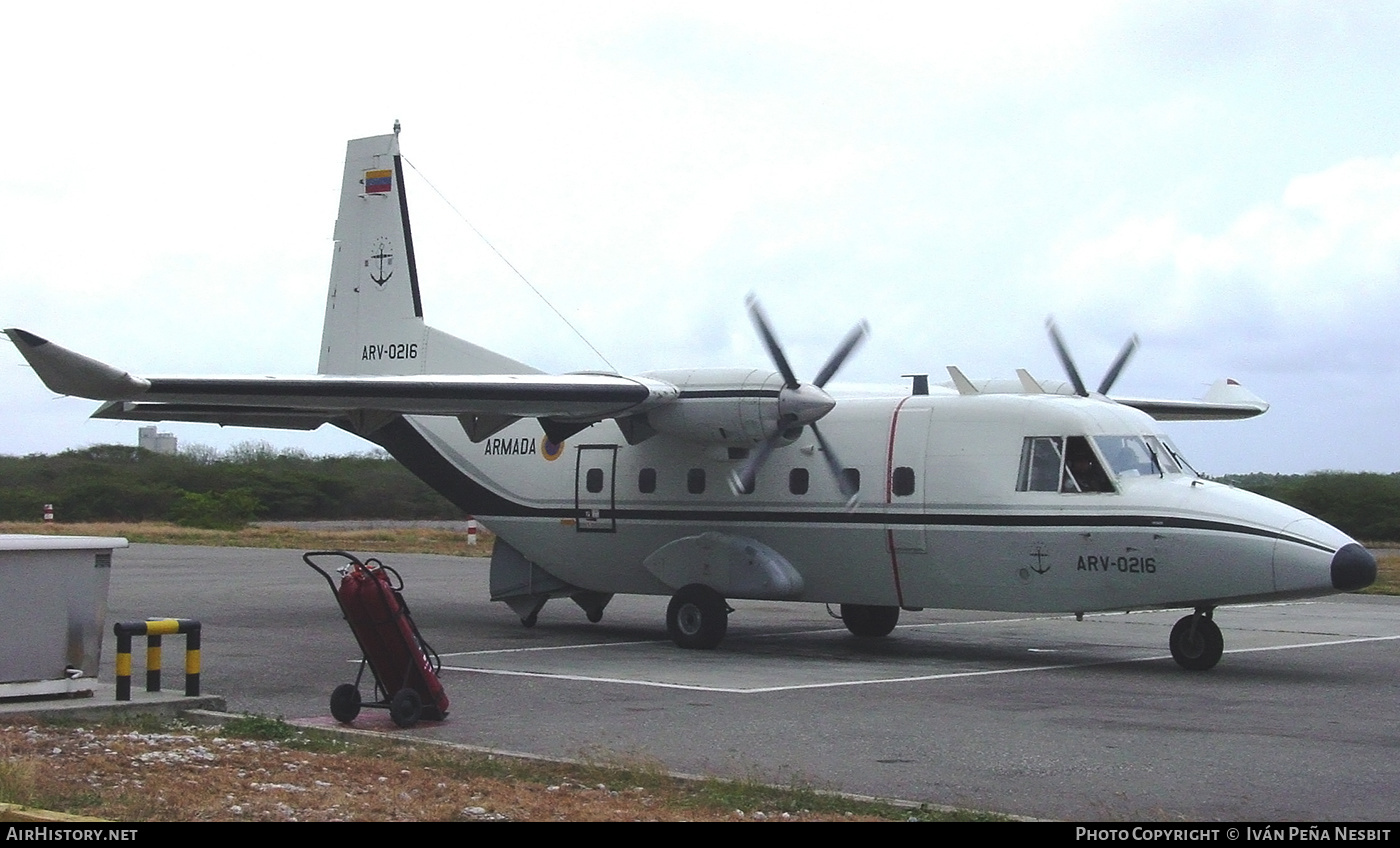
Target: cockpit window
[1061, 464]
[1167, 461]
[1140, 456]
[1083, 471]
[1131, 456]
[1042, 458]
[1178, 458]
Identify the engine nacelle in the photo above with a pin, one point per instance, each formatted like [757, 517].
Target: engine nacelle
[728, 406]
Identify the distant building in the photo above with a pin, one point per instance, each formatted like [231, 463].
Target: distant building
[148, 438]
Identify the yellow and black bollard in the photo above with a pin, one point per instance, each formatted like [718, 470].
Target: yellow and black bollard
[153, 629]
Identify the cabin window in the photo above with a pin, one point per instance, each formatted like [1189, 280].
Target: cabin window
[1061, 464]
[646, 481]
[594, 480]
[695, 481]
[902, 482]
[850, 479]
[798, 481]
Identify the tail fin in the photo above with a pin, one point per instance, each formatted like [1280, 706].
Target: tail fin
[374, 313]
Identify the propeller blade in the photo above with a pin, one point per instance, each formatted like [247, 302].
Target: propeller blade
[770, 341]
[1117, 367]
[1065, 360]
[741, 480]
[848, 345]
[833, 463]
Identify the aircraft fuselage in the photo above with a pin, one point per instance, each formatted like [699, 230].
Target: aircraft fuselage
[938, 520]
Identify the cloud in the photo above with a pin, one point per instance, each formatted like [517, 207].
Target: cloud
[1308, 282]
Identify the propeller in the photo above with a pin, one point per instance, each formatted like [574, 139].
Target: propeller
[1109, 378]
[799, 405]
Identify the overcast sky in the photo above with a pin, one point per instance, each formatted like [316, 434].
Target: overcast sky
[1221, 178]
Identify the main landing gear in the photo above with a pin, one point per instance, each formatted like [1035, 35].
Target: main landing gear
[869, 622]
[697, 617]
[1196, 641]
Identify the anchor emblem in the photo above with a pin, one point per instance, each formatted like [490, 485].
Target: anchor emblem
[384, 258]
[1039, 555]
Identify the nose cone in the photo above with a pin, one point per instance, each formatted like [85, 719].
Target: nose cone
[804, 404]
[1353, 568]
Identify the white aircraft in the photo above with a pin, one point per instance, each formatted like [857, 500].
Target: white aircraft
[713, 484]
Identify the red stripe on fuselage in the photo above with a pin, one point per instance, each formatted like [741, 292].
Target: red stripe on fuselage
[889, 499]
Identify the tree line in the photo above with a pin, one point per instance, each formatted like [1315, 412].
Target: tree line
[204, 487]
[1365, 506]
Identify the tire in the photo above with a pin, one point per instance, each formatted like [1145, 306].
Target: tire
[697, 617]
[1197, 649]
[406, 707]
[869, 622]
[345, 703]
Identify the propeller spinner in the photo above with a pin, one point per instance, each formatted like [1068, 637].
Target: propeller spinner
[798, 405]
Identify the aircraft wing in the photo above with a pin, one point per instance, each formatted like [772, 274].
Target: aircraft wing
[308, 401]
[1226, 400]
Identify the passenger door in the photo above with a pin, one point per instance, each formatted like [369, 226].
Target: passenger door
[595, 489]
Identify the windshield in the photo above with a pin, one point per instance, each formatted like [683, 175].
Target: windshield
[1178, 458]
[1139, 456]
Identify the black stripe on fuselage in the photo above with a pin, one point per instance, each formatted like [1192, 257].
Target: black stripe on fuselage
[408, 446]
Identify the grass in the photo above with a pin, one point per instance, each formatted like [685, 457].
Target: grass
[1387, 575]
[394, 540]
[261, 769]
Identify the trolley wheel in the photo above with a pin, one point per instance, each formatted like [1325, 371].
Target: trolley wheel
[345, 703]
[406, 707]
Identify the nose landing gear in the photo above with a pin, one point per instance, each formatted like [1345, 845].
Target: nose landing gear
[1196, 641]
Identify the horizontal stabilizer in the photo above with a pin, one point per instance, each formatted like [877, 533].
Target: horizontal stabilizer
[226, 416]
[70, 373]
[308, 401]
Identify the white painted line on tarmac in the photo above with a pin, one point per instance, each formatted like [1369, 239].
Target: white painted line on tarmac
[1357, 640]
[952, 675]
[842, 629]
[541, 648]
[747, 636]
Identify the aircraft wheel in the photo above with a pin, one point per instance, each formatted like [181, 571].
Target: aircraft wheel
[594, 615]
[697, 617]
[1196, 643]
[869, 621]
[531, 620]
[406, 707]
[345, 703]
